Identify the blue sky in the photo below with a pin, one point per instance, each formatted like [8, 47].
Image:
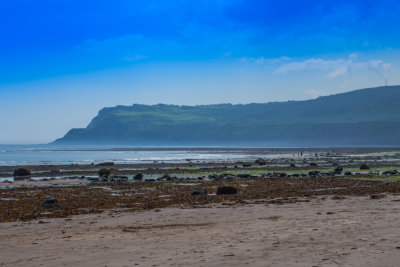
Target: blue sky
[61, 61]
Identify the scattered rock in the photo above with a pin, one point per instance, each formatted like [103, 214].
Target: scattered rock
[106, 164]
[200, 191]
[226, 190]
[364, 166]
[376, 196]
[138, 177]
[104, 172]
[166, 177]
[339, 169]
[261, 161]
[314, 173]
[50, 203]
[338, 197]
[392, 172]
[22, 172]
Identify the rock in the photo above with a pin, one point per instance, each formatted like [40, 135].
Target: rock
[166, 177]
[106, 164]
[376, 196]
[312, 164]
[292, 165]
[50, 203]
[314, 173]
[22, 172]
[364, 166]
[138, 177]
[392, 172]
[119, 179]
[200, 191]
[104, 172]
[226, 190]
[261, 161]
[245, 165]
[338, 169]
[348, 173]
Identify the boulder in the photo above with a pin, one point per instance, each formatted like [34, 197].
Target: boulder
[339, 169]
[226, 190]
[261, 161]
[392, 172]
[166, 177]
[364, 166]
[106, 164]
[104, 172]
[200, 191]
[138, 177]
[22, 172]
[314, 173]
[50, 203]
[246, 165]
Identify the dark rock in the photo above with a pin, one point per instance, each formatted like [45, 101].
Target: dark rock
[106, 164]
[244, 175]
[166, 177]
[339, 169]
[246, 165]
[348, 173]
[392, 172]
[104, 172]
[312, 164]
[376, 196]
[119, 179]
[364, 166]
[261, 161]
[22, 172]
[200, 191]
[292, 165]
[314, 173]
[226, 190]
[50, 203]
[138, 177]
[229, 177]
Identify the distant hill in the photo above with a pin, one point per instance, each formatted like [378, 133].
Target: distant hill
[366, 117]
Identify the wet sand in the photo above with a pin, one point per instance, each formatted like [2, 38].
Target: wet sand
[355, 231]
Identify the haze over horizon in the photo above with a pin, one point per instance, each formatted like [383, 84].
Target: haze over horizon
[61, 62]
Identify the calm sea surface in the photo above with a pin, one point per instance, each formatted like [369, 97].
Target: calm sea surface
[49, 155]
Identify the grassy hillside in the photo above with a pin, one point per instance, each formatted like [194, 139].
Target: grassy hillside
[364, 117]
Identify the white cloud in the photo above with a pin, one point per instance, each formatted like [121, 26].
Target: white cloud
[380, 67]
[338, 67]
[335, 68]
[264, 61]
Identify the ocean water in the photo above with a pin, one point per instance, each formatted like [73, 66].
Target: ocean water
[52, 155]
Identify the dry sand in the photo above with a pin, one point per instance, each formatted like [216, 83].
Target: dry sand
[356, 231]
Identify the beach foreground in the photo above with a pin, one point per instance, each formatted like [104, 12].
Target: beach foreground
[319, 231]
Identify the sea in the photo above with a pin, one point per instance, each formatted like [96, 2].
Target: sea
[18, 155]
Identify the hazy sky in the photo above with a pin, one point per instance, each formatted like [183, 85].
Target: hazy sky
[61, 61]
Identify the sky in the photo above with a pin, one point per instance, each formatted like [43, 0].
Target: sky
[62, 61]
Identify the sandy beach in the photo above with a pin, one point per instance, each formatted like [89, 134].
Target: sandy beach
[326, 231]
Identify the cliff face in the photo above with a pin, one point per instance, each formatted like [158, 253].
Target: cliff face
[367, 117]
